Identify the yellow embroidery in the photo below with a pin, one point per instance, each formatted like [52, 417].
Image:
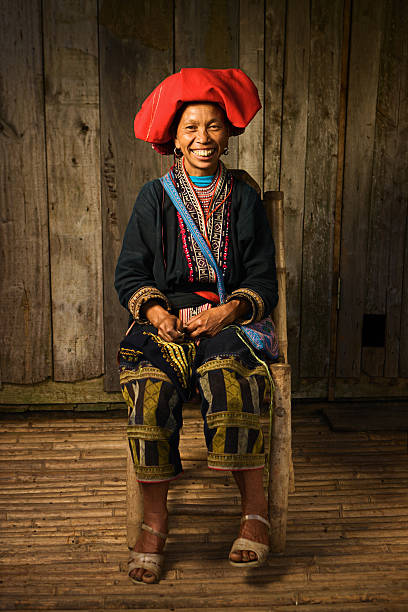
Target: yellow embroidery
[148, 432]
[154, 472]
[232, 364]
[174, 354]
[257, 303]
[142, 295]
[233, 419]
[222, 460]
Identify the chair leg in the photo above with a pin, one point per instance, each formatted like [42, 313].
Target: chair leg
[134, 500]
[280, 456]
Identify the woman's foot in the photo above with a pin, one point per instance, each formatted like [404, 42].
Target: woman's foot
[255, 530]
[253, 501]
[150, 543]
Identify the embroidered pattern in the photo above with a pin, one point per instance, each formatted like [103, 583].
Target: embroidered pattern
[185, 314]
[141, 296]
[176, 356]
[217, 227]
[257, 303]
[223, 461]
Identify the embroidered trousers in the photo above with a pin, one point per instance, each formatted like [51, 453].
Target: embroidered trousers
[232, 387]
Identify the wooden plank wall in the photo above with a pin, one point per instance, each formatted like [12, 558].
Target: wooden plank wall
[141, 44]
[74, 76]
[74, 202]
[25, 326]
[375, 192]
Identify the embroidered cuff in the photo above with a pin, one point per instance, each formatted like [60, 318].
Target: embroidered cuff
[143, 295]
[254, 299]
[231, 461]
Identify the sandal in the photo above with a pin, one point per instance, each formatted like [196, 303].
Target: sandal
[261, 550]
[149, 561]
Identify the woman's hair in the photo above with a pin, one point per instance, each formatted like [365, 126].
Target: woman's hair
[177, 117]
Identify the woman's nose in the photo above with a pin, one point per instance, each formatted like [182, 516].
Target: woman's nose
[202, 135]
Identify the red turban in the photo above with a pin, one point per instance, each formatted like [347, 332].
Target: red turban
[232, 89]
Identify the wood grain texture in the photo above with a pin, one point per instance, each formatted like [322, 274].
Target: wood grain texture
[25, 324]
[294, 132]
[371, 387]
[392, 136]
[338, 211]
[136, 53]
[73, 161]
[363, 81]
[251, 61]
[64, 526]
[207, 36]
[320, 186]
[275, 25]
[52, 392]
[388, 210]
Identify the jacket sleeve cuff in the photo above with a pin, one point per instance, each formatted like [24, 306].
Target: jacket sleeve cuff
[254, 299]
[143, 295]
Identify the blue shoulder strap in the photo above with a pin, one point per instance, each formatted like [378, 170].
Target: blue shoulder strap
[195, 232]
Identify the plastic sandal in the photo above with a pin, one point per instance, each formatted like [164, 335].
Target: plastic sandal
[153, 562]
[261, 550]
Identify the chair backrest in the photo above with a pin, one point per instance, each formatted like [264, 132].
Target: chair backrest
[273, 202]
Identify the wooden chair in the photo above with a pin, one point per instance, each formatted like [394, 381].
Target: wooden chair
[280, 472]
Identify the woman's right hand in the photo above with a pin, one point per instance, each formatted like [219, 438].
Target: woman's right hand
[169, 327]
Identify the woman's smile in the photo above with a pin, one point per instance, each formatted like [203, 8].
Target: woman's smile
[203, 152]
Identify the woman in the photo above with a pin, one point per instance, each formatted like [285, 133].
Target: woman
[181, 337]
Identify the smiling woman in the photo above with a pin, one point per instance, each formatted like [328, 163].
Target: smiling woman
[202, 136]
[196, 268]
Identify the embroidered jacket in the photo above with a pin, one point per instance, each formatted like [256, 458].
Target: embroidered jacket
[155, 260]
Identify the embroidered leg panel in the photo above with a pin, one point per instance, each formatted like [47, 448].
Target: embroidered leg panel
[232, 398]
[154, 410]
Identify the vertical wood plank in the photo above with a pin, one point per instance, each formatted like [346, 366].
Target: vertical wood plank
[320, 186]
[398, 58]
[403, 357]
[207, 36]
[364, 65]
[345, 53]
[25, 325]
[251, 61]
[294, 131]
[392, 121]
[275, 25]
[387, 218]
[136, 53]
[73, 155]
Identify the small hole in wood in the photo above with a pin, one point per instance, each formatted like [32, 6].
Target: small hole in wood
[373, 330]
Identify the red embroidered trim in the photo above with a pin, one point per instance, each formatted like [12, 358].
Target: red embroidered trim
[185, 248]
[224, 264]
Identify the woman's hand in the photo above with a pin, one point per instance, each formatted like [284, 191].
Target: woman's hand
[169, 327]
[210, 322]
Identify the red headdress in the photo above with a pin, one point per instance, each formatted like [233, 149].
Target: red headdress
[232, 89]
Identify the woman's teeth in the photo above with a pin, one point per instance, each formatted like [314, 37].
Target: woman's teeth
[203, 152]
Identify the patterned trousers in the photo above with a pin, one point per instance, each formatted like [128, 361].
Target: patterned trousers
[232, 387]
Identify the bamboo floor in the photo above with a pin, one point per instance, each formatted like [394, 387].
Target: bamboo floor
[63, 532]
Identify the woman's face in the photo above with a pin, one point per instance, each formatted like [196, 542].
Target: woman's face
[202, 135]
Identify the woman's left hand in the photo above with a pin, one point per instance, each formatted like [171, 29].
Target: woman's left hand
[210, 322]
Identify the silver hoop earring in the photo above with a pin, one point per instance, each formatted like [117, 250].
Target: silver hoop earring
[177, 153]
[226, 151]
